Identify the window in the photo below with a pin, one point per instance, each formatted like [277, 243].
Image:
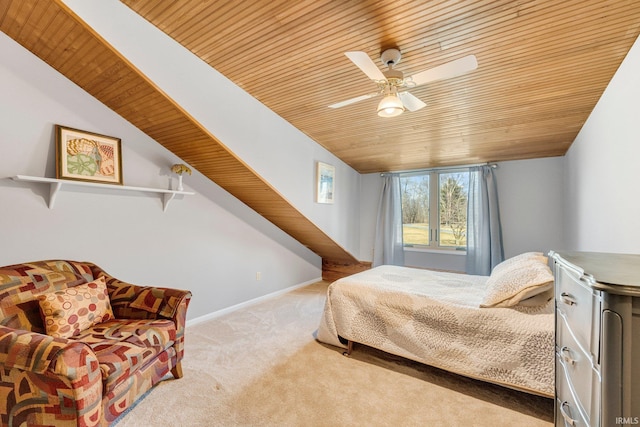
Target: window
[434, 209]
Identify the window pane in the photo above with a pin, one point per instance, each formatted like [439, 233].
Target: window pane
[452, 224]
[415, 209]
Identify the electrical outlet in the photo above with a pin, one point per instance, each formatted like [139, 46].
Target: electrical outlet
[258, 276]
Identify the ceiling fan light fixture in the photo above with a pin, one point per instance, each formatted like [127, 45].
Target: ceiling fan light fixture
[390, 106]
[390, 81]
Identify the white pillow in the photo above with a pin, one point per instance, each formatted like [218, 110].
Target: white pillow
[537, 300]
[527, 256]
[517, 279]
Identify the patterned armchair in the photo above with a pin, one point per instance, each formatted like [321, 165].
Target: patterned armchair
[91, 372]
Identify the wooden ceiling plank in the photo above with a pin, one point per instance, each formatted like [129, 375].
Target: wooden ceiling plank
[347, 23]
[245, 22]
[4, 9]
[217, 17]
[267, 22]
[484, 58]
[579, 29]
[149, 8]
[14, 16]
[306, 45]
[172, 11]
[90, 58]
[37, 11]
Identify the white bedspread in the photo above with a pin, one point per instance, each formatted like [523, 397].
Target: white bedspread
[435, 318]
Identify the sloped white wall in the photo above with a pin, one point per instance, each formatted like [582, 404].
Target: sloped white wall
[277, 151]
[602, 169]
[209, 243]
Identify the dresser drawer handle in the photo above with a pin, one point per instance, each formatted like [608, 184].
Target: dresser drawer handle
[567, 418]
[568, 299]
[565, 352]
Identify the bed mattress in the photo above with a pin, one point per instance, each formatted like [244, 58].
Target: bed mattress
[435, 318]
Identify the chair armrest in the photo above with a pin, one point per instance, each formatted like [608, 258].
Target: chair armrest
[39, 353]
[162, 301]
[29, 351]
[78, 362]
[139, 302]
[131, 301]
[62, 378]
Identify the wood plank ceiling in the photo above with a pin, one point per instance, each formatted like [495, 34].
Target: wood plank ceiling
[57, 36]
[543, 64]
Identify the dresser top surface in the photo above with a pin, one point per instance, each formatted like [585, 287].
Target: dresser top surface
[615, 270]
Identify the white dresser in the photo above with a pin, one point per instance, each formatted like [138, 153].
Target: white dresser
[597, 339]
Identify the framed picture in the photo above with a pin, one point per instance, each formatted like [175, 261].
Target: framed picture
[88, 156]
[325, 183]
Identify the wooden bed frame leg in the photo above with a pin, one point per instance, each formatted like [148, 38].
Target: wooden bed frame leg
[349, 349]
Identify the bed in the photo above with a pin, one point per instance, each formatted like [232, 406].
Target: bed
[497, 328]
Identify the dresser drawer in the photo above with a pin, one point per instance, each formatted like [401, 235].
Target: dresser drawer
[567, 411]
[580, 306]
[597, 312]
[575, 365]
[567, 415]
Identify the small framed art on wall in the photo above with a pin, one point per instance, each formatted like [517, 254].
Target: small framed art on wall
[325, 181]
[88, 156]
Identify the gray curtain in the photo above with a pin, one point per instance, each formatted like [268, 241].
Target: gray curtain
[484, 231]
[388, 248]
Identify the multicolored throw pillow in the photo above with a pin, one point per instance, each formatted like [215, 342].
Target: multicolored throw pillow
[70, 311]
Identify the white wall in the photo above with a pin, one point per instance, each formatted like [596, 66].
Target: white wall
[209, 243]
[603, 169]
[278, 152]
[531, 205]
[370, 191]
[531, 196]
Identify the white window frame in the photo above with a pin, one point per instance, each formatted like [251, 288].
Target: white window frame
[434, 212]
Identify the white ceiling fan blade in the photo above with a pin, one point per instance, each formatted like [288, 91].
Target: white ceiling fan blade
[446, 71]
[353, 100]
[366, 64]
[410, 102]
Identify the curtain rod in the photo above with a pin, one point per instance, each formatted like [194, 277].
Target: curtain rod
[493, 165]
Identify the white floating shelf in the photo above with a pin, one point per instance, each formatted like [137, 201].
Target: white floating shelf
[56, 184]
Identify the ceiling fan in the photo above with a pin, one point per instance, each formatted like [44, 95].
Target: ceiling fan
[394, 86]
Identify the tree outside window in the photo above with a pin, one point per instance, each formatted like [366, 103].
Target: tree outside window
[435, 216]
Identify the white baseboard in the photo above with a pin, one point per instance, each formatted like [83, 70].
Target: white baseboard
[248, 303]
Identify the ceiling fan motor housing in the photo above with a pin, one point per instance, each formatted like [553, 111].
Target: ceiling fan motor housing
[394, 77]
[390, 57]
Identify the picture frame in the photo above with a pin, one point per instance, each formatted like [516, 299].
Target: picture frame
[325, 183]
[88, 156]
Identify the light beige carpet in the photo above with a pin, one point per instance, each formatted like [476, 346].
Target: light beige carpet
[261, 366]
